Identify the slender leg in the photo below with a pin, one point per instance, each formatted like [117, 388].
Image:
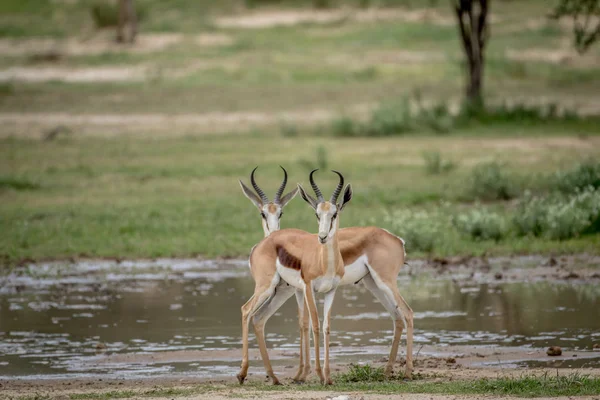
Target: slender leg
[306, 341]
[245, 322]
[314, 316]
[281, 294]
[407, 312]
[301, 308]
[387, 299]
[327, 316]
[260, 297]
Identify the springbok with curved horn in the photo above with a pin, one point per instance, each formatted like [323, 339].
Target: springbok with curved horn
[371, 255]
[301, 263]
[271, 211]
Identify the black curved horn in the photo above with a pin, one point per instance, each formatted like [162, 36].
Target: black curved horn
[338, 189]
[277, 198]
[262, 194]
[314, 186]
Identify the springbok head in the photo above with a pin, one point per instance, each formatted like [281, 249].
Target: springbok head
[270, 211]
[327, 211]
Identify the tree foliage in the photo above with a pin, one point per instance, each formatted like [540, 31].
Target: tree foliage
[586, 21]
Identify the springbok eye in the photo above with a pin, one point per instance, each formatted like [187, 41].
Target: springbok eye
[263, 215]
[281, 215]
[335, 215]
[317, 215]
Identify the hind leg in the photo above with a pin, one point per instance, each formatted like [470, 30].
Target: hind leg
[260, 297]
[391, 307]
[304, 366]
[281, 294]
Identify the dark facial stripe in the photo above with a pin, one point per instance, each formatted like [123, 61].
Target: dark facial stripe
[288, 260]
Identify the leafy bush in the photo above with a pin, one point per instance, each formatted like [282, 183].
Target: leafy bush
[14, 183]
[345, 126]
[584, 175]
[106, 14]
[434, 164]
[571, 218]
[481, 224]
[421, 230]
[530, 218]
[489, 182]
[390, 119]
[362, 373]
[559, 217]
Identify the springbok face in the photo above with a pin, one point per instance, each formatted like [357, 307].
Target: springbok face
[270, 211]
[327, 212]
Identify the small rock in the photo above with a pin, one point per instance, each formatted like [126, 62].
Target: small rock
[498, 275]
[100, 346]
[342, 397]
[450, 360]
[554, 351]
[596, 346]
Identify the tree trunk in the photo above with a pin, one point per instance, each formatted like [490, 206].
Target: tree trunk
[472, 24]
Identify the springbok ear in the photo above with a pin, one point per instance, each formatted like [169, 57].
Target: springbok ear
[347, 196]
[250, 195]
[286, 199]
[307, 197]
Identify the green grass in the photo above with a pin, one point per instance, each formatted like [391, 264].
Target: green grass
[178, 196]
[546, 385]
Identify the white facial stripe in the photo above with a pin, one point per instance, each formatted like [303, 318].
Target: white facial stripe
[327, 223]
[271, 214]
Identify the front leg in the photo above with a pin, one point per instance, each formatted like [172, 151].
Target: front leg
[329, 296]
[314, 317]
[298, 378]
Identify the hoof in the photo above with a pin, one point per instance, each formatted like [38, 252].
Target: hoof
[276, 382]
[298, 381]
[241, 379]
[329, 382]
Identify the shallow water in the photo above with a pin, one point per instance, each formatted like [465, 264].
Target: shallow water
[63, 320]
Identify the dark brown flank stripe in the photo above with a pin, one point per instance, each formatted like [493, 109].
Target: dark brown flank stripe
[288, 260]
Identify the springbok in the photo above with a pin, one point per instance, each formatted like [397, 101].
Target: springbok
[373, 255]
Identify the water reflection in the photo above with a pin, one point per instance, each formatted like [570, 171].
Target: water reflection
[54, 323]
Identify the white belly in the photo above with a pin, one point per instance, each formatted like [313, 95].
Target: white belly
[355, 271]
[291, 276]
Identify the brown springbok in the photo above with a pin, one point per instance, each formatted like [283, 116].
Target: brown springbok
[370, 254]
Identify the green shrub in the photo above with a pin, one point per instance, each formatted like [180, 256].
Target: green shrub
[362, 373]
[435, 164]
[558, 216]
[421, 230]
[585, 175]
[489, 182]
[14, 183]
[530, 217]
[575, 216]
[106, 14]
[390, 119]
[481, 224]
[345, 126]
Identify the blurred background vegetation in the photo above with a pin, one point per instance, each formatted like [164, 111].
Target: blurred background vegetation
[134, 149]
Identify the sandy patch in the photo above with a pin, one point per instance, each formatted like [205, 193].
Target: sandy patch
[98, 44]
[383, 58]
[269, 19]
[36, 124]
[213, 39]
[75, 75]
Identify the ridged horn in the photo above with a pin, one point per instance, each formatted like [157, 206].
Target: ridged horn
[262, 194]
[315, 187]
[338, 189]
[277, 198]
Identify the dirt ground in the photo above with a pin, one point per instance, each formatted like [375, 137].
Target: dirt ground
[450, 363]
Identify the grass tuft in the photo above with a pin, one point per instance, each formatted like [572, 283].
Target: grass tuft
[14, 183]
[489, 181]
